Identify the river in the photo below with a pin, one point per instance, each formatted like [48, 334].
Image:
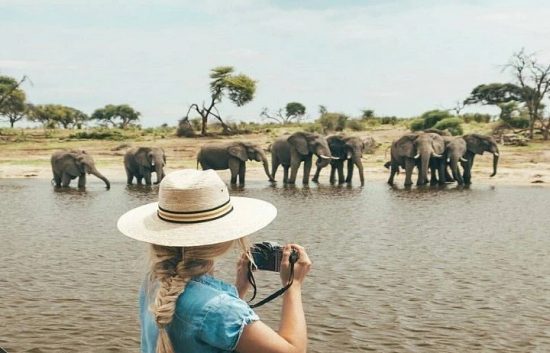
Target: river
[420, 270]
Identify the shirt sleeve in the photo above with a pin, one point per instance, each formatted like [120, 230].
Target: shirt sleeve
[224, 322]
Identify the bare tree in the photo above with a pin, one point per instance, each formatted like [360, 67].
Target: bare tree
[534, 79]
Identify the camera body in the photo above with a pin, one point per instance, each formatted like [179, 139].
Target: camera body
[267, 256]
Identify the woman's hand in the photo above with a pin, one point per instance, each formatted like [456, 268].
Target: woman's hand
[301, 267]
[242, 283]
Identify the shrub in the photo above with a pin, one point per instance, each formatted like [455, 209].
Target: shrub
[101, 134]
[432, 117]
[519, 122]
[477, 117]
[388, 120]
[185, 128]
[333, 121]
[355, 125]
[453, 124]
[313, 127]
[417, 124]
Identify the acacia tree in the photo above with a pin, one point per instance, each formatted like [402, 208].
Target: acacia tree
[293, 112]
[13, 104]
[239, 89]
[52, 115]
[110, 114]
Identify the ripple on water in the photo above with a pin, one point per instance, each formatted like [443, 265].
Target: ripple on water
[420, 270]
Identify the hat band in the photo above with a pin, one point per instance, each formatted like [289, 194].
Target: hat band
[195, 216]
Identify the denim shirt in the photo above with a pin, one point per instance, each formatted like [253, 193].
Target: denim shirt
[209, 318]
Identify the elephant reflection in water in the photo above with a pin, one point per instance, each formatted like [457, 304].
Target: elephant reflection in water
[72, 164]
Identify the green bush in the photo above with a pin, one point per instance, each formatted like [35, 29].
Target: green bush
[477, 117]
[313, 127]
[453, 124]
[519, 122]
[417, 124]
[102, 134]
[333, 121]
[355, 125]
[386, 120]
[432, 117]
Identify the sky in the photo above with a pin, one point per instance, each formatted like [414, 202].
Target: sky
[396, 57]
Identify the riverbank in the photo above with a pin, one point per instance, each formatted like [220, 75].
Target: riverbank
[527, 165]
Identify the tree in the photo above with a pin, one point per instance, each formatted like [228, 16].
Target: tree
[367, 114]
[13, 104]
[239, 89]
[494, 94]
[111, 113]
[53, 115]
[322, 109]
[293, 112]
[534, 78]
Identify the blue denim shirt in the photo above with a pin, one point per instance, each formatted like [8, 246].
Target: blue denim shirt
[210, 317]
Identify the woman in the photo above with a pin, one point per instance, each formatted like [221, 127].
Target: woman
[183, 308]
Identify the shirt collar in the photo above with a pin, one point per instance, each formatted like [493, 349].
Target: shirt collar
[216, 283]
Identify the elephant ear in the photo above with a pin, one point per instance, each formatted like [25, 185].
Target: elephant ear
[239, 152]
[299, 142]
[80, 162]
[474, 143]
[406, 145]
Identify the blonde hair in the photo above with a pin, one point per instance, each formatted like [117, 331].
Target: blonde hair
[172, 267]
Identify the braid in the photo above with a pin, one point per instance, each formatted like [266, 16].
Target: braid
[173, 271]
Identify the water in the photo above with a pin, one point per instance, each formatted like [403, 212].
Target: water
[395, 270]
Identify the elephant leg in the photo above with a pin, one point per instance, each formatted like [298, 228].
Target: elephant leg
[129, 177]
[139, 179]
[65, 180]
[441, 171]
[294, 165]
[394, 169]
[242, 172]
[433, 170]
[57, 179]
[340, 168]
[350, 171]
[234, 166]
[333, 167]
[409, 166]
[147, 177]
[456, 172]
[82, 180]
[285, 174]
[316, 175]
[468, 168]
[307, 170]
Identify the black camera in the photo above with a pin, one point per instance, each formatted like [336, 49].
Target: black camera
[268, 255]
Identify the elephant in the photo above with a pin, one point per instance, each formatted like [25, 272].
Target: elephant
[141, 162]
[232, 156]
[345, 148]
[422, 149]
[290, 151]
[68, 165]
[477, 144]
[455, 149]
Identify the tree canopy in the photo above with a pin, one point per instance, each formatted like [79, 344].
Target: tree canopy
[117, 115]
[52, 115]
[293, 112]
[239, 88]
[495, 93]
[13, 104]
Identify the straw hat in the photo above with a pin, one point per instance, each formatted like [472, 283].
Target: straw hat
[194, 208]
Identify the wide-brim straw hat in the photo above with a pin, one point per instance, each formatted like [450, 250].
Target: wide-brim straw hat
[195, 208]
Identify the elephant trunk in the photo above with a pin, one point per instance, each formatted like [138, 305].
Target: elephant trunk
[100, 176]
[495, 163]
[266, 168]
[160, 172]
[359, 165]
[425, 162]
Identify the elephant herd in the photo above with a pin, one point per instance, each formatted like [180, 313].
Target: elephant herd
[424, 150]
[437, 152]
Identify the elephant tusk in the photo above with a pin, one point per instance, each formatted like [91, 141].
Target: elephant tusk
[437, 155]
[417, 156]
[496, 154]
[325, 157]
[334, 158]
[462, 159]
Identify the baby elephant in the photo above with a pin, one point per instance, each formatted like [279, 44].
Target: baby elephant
[141, 162]
[232, 156]
[68, 165]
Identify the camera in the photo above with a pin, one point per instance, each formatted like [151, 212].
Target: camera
[268, 255]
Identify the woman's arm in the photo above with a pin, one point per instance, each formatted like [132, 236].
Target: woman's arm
[292, 335]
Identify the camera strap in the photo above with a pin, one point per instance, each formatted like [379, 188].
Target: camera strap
[252, 281]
